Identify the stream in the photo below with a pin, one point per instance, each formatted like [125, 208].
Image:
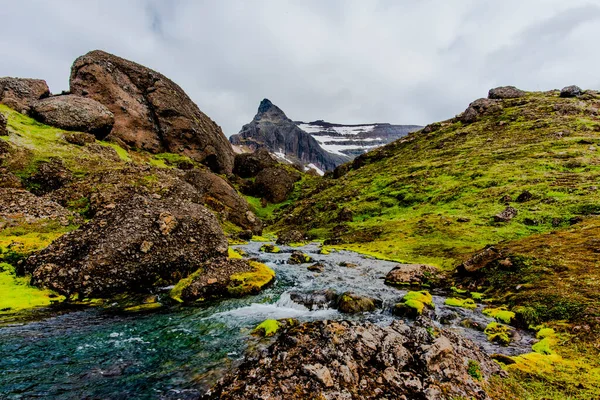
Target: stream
[178, 352]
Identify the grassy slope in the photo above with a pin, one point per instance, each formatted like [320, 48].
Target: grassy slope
[406, 200]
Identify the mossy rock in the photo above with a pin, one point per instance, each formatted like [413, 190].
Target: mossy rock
[267, 328]
[499, 333]
[500, 314]
[352, 303]
[298, 257]
[458, 302]
[252, 282]
[414, 304]
[270, 248]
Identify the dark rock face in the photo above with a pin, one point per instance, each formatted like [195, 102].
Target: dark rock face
[151, 112]
[20, 93]
[505, 92]
[351, 360]
[135, 246]
[571, 91]
[275, 184]
[221, 197]
[3, 123]
[478, 108]
[273, 130]
[74, 113]
[248, 165]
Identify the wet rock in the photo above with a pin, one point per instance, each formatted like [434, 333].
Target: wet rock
[525, 196]
[352, 303]
[571, 91]
[316, 267]
[3, 123]
[326, 298]
[269, 248]
[505, 92]
[218, 195]
[291, 236]
[298, 257]
[412, 274]
[104, 258]
[20, 93]
[74, 113]
[50, 176]
[360, 360]
[275, 184]
[151, 112]
[80, 138]
[248, 165]
[447, 317]
[481, 259]
[506, 215]
[414, 304]
[502, 358]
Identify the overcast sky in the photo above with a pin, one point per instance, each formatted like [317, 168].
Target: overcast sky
[397, 61]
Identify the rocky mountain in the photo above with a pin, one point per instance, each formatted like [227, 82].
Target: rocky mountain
[320, 145]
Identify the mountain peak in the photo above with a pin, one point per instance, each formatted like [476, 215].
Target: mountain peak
[269, 111]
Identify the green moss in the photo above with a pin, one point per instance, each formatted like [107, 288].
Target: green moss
[269, 248]
[177, 290]
[500, 314]
[172, 159]
[474, 370]
[458, 291]
[18, 295]
[543, 347]
[324, 251]
[498, 333]
[544, 333]
[267, 328]
[232, 253]
[477, 296]
[422, 296]
[416, 304]
[252, 282]
[464, 303]
[121, 152]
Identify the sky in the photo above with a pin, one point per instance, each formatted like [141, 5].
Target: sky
[344, 61]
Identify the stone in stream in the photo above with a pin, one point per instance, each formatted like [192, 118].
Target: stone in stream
[316, 267]
[361, 360]
[298, 257]
[352, 303]
[319, 299]
[412, 274]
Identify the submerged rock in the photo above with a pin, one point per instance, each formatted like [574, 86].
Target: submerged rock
[134, 246]
[20, 93]
[360, 360]
[74, 113]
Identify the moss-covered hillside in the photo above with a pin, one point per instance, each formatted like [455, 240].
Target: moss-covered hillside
[432, 196]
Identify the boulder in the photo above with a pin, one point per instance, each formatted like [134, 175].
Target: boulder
[291, 236]
[320, 299]
[505, 92]
[248, 165]
[506, 215]
[571, 91]
[275, 184]
[412, 274]
[80, 138]
[481, 259]
[134, 246]
[478, 108]
[361, 360]
[3, 123]
[352, 303]
[151, 111]
[218, 195]
[299, 257]
[74, 113]
[20, 93]
[525, 196]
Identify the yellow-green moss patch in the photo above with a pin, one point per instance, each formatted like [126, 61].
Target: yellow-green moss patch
[251, 282]
[498, 333]
[18, 295]
[267, 328]
[463, 303]
[500, 314]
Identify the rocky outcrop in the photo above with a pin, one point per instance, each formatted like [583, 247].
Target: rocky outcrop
[218, 195]
[478, 108]
[571, 91]
[151, 112]
[21, 205]
[360, 360]
[275, 184]
[248, 165]
[133, 246]
[80, 138]
[50, 175]
[20, 93]
[273, 130]
[3, 123]
[74, 113]
[505, 92]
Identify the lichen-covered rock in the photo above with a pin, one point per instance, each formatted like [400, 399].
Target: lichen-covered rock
[290, 236]
[360, 360]
[74, 113]
[224, 277]
[218, 195]
[412, 274]
[151, 111]
[275, 184]
[133, 246]
[414, 304]
[3, 123]
[505, 92]
[352, 303]
[571, 91]
[20, 93]
[248, 165]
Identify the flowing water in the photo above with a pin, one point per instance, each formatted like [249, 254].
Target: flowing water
[177, 353]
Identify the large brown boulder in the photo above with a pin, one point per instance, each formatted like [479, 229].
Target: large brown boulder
[218, 195]
[248, 165]
[361, 360]
[151, 111]
[275, 184]
[74, 113]
[20, 93]
[412, 274]
[505, 92]
[134, 246]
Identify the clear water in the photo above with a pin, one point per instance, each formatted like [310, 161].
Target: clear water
[179, 352]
